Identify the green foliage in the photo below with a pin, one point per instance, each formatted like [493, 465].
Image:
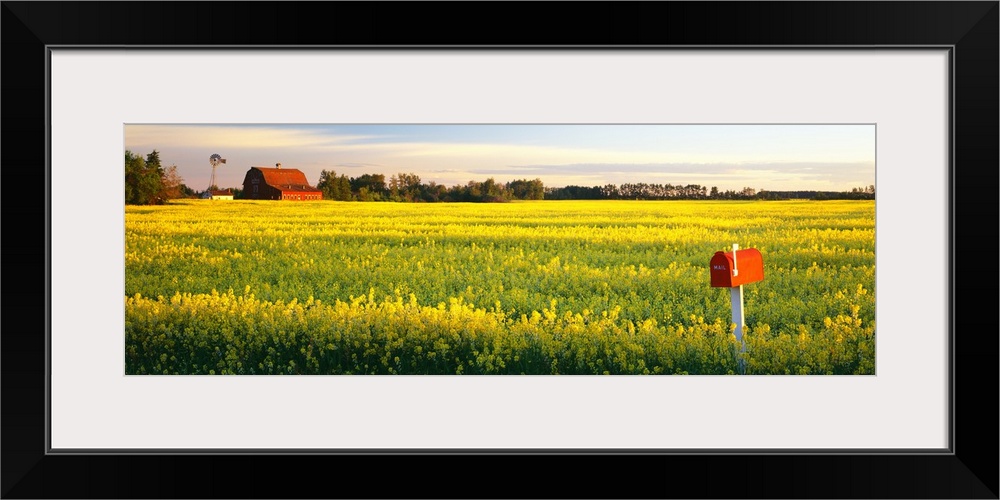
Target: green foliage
[522, 189]
[142, 180]
[373, 185]
[334, 187]
[147, 182]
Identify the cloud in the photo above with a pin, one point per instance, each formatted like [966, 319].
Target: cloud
[358, 165]
[719, 170]
[232, 137]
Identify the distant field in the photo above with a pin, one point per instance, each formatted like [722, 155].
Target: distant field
[549, 287]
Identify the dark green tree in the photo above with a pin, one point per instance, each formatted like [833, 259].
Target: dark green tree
[491, 191]
[143, 182]
[405, 187]
[334, 187]
[153, 160]
[536, 190]
[519, 189]
[148, 183]
[374, 185]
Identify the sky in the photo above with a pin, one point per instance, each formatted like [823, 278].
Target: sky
[771, 157]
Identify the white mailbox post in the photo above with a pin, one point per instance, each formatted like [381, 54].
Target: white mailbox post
[732, 270]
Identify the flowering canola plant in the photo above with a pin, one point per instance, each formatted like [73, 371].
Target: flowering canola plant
[547, 287]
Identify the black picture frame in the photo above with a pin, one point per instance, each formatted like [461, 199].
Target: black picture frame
[970, 470]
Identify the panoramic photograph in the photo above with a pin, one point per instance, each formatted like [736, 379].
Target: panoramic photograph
[496, 249]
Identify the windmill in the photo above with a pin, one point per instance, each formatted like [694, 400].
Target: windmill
[215, 160]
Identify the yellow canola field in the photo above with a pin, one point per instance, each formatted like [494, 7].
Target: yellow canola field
[547, 287]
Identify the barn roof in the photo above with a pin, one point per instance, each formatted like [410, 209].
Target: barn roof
[287, 179]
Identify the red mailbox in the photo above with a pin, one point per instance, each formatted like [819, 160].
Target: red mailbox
[746, 267]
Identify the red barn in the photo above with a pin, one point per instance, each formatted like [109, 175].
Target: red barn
[265, 183]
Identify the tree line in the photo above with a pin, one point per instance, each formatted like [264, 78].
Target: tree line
[408, 187]
[148, 182]
[647, 191]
